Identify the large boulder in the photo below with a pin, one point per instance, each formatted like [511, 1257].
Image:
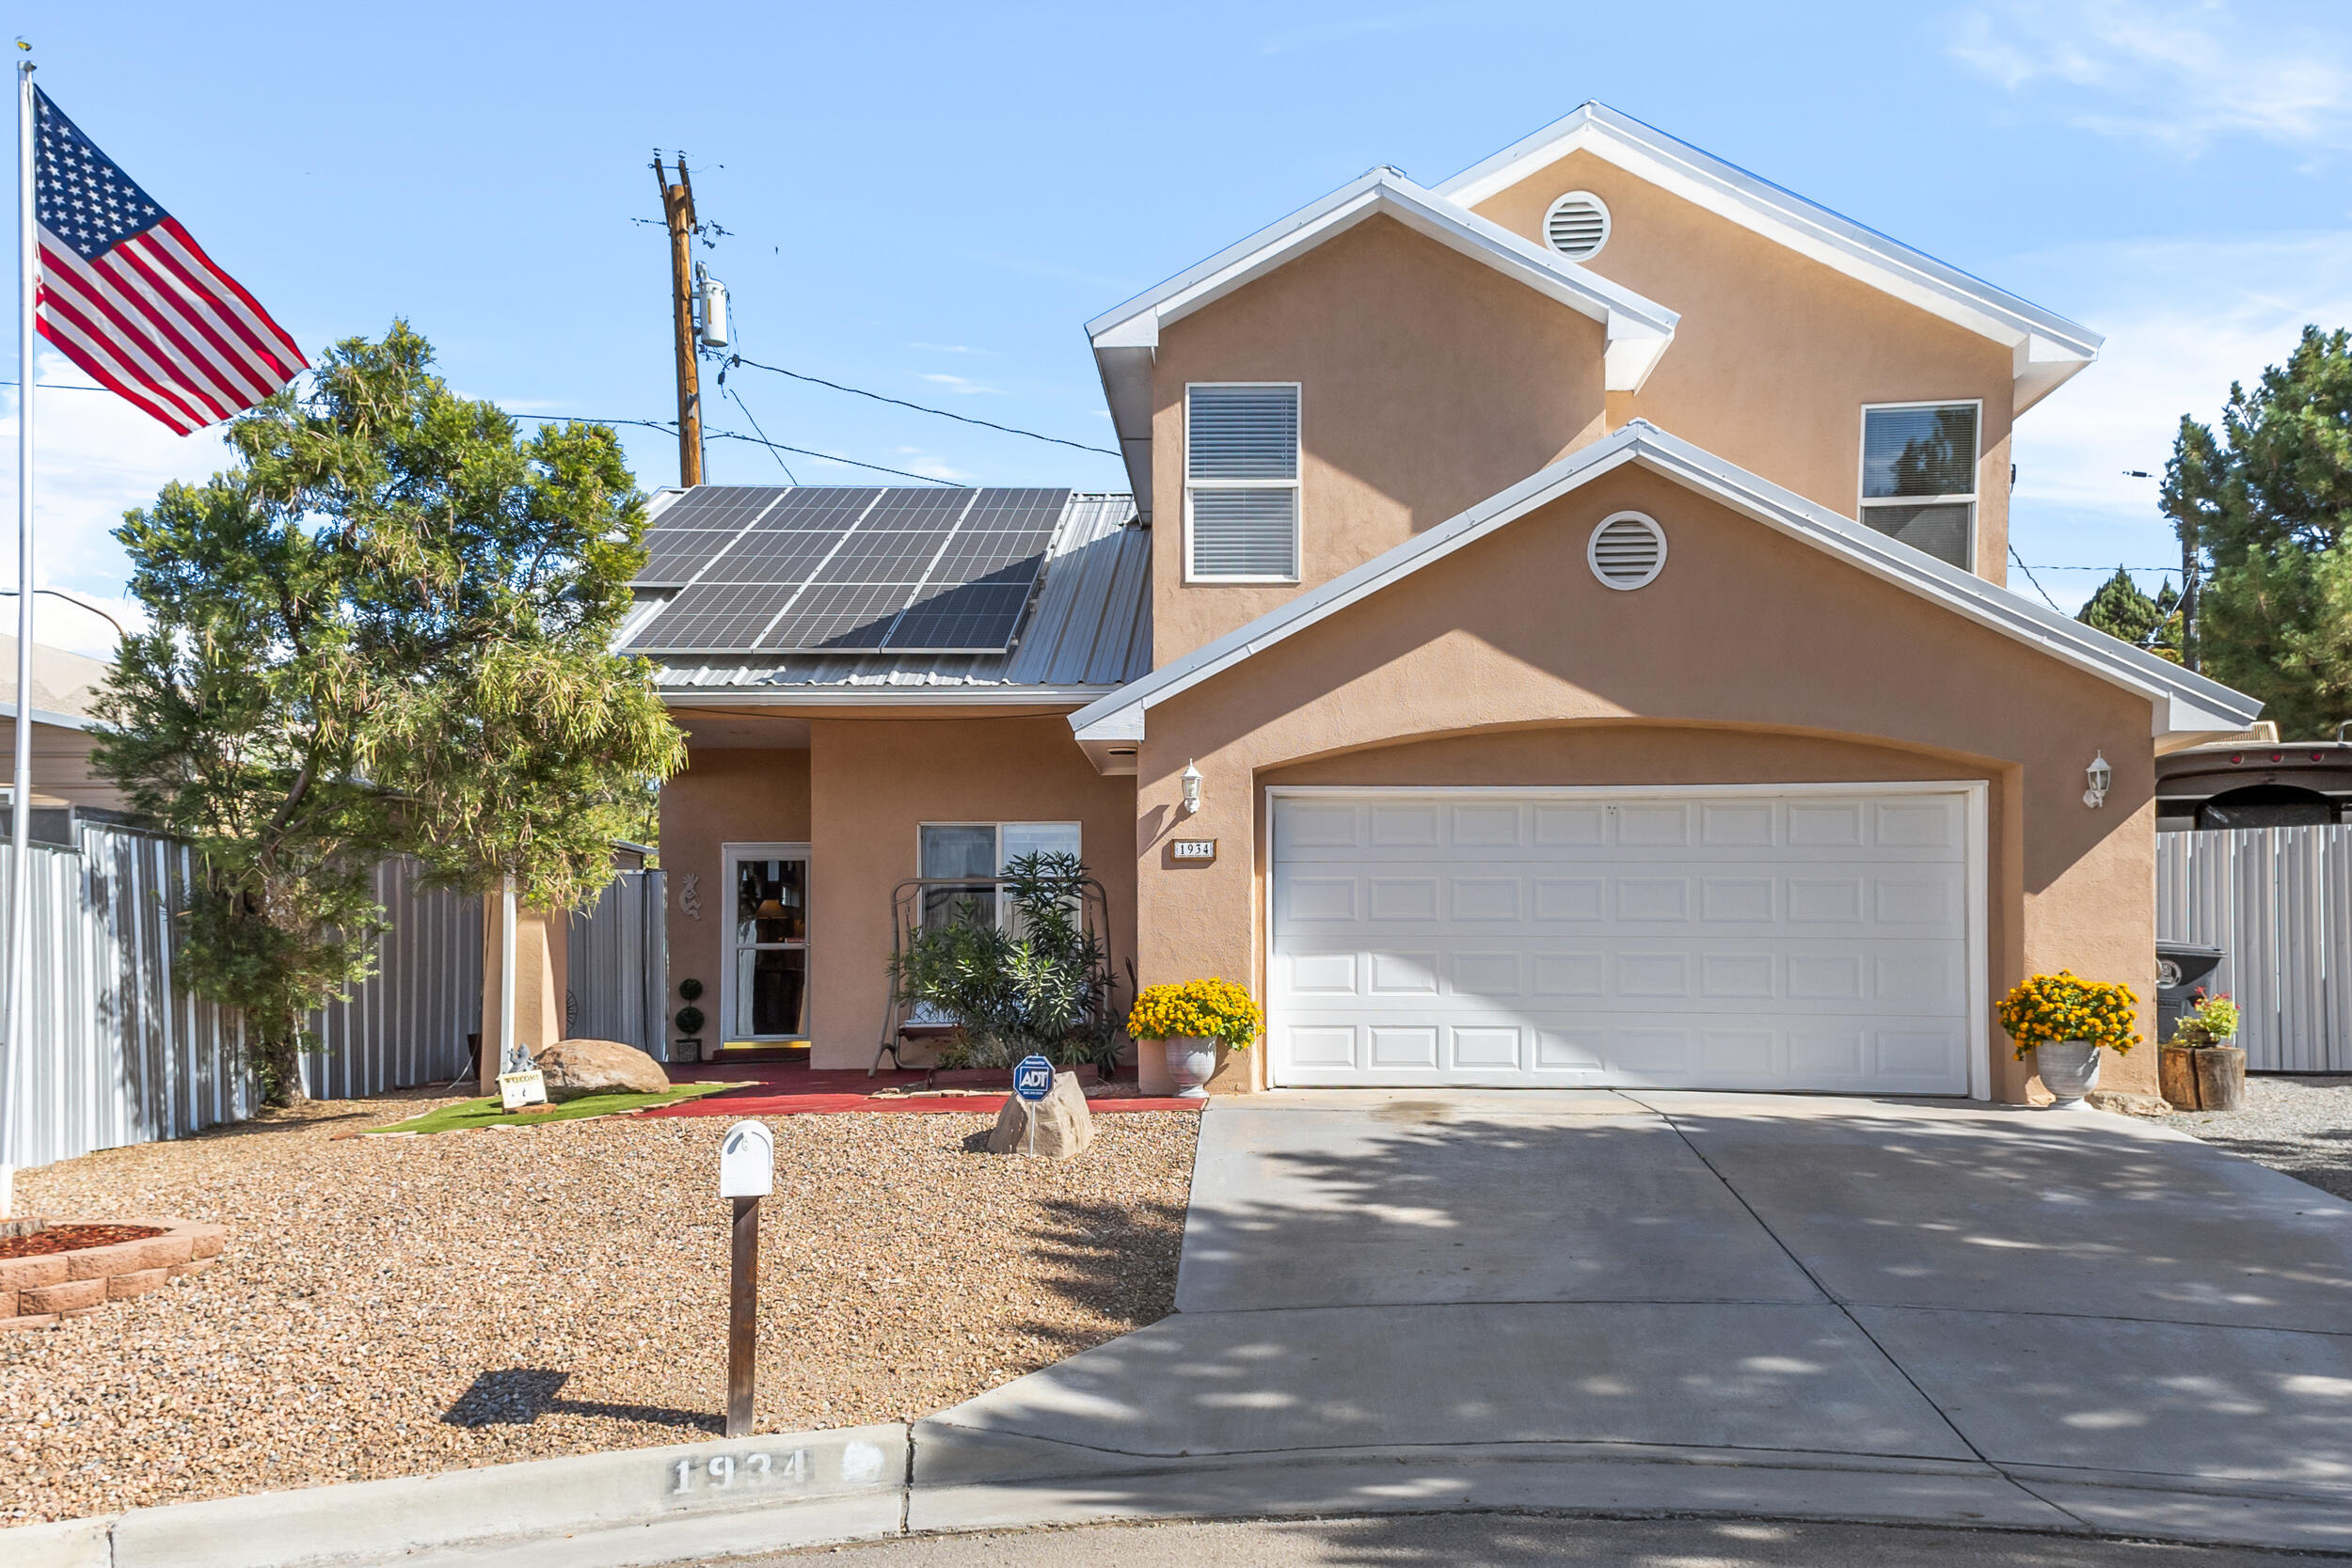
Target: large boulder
[577, 1067]
[1064, 1124]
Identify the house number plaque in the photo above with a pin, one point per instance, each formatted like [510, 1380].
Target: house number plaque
[1194, 849]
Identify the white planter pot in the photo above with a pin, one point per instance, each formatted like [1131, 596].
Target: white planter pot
[1189, 1064]
[2069, 1069]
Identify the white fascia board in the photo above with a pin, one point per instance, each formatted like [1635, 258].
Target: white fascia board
[1805, 227]
[885, 696]
[1126, 372]
[2180, 699]
[1137, 323]
[50, 715]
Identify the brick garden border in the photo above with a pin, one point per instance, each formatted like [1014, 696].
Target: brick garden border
[38, 1292]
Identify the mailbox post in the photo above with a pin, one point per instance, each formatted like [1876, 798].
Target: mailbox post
[747, 1173]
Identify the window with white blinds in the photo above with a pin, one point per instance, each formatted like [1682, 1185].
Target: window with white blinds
[1241, 481]
[1920, 476]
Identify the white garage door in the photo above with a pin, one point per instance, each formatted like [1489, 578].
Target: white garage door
[1665, 940]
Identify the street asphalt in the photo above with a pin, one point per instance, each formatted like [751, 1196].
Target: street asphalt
[1506, 1540]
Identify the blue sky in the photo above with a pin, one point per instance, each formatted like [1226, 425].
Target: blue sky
[929, 201]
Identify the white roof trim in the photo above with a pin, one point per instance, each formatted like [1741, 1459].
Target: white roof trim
[2049, 348]
[1638, 329]
[2181, 700]
[882, 696]
[50, 715]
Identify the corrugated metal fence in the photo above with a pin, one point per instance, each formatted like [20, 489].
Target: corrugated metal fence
[118, 1055]
[2279, 899]
[619, 966]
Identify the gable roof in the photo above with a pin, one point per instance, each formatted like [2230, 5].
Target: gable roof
[1124, 337]
[2181, 701]
[2047, 348]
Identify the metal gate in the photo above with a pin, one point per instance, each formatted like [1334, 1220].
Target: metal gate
[2279, 901]
[619, 966]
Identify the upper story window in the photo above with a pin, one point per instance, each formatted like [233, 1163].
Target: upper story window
[1920, 476]
[1241, 481]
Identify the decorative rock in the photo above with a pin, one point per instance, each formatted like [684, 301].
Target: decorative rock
[1064, 1124]
[577, 1067]
[2126, 1102]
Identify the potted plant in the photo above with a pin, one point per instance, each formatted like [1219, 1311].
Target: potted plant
[1190, 1020]
[2198, 1070]
[1039, 982]
[2065, 1022]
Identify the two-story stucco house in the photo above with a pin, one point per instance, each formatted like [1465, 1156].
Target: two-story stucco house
[1577, 589]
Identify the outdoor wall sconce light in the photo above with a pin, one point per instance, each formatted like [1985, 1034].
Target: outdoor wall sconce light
[2100, 775]
[1190, 778]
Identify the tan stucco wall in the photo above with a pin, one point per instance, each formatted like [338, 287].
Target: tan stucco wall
[1746, 632]
[1428, 382]
[874, 782]
[1776, 354]
[725, 796]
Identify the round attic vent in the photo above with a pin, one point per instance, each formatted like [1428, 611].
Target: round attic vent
[1628, 550]
[1578, 225]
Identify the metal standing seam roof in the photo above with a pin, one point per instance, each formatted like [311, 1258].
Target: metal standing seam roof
[1090, 627]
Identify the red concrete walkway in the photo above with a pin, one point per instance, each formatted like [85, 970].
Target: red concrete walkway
[789, 1089]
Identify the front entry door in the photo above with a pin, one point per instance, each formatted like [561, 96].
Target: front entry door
[767, 979]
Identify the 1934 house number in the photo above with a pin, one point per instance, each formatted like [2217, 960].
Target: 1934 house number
[724, 1472]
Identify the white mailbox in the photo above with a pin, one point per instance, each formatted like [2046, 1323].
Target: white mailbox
[747, 1161]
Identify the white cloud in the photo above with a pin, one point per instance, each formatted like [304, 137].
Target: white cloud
[95, 457]
[961, 385]
[2184, 319]
[2178, 72]
[914, 460]
[954, 348]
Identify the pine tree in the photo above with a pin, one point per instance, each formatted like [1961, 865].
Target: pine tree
[2120, 609]
[2265, 506]
[385, 630]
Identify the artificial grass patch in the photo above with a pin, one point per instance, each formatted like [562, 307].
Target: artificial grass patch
[490, 1112]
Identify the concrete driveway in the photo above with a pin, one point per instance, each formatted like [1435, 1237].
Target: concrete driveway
[1743, 1304]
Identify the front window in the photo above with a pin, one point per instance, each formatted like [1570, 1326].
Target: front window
[981, 850]
[1920, 476]
[1241, 481]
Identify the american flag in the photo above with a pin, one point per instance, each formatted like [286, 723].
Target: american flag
[129, 296]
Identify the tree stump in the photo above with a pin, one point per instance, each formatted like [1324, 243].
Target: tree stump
[2220, 1078]
[2176, 1076]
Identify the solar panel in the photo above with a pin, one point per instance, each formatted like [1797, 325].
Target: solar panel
[673, 557]
[846, 568]
[838, 618]
[711, 618]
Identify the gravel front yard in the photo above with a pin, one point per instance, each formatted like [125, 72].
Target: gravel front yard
[399, 1305]
[2301, 1126]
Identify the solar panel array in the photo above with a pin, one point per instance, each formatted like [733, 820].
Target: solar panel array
[845, 569]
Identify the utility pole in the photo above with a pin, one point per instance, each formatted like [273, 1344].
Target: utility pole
[677, 212]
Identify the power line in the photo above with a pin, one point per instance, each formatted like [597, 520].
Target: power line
[2030, 578]
[670, 428]
[755, 419]
[919, 409]
[804, 451]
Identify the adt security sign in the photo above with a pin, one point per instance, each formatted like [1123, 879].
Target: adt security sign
[1033, 1078]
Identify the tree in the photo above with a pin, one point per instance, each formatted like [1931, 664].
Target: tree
[385, 630]
[2264, 509]
[2120, 609]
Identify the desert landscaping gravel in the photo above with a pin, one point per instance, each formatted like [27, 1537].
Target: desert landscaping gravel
[399, 1305]
[2299, 1125]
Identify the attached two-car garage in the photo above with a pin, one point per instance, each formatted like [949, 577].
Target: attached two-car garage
[1791, 938]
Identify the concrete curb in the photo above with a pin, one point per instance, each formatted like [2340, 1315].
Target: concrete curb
[771, 1493]
[637, 1505]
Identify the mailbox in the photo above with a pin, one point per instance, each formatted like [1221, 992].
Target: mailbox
[747, 1161]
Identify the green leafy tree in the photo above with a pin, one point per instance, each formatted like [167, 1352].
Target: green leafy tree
[2264, 506]
[386, 630]
[2121, 610]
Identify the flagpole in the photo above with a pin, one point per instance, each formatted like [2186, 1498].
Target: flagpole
[20, 794]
